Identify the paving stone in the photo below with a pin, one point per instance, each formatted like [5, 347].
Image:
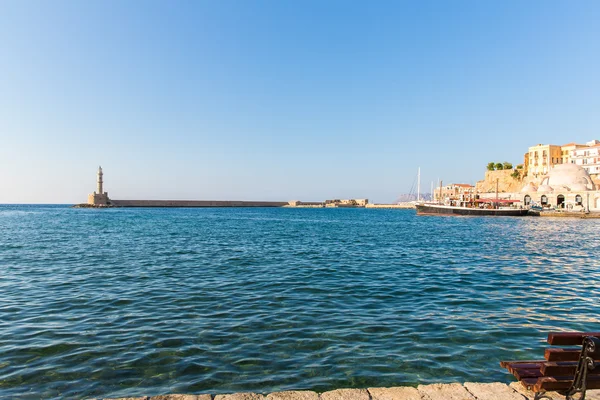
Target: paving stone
[127, 398]
[589, 395]
[294, 395]
[592, 395]
[395, 393]
[445, 391]
[182, 397]
[240, 396]
[346, 394]
[518, 386]
[493, 391]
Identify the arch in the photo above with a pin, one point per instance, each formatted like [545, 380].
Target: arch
[598, 203]
[527, 200]
[578, 200]
[544, 200]
[560, 201]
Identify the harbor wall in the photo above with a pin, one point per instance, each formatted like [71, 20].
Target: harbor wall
[196, 203]
[405, 205]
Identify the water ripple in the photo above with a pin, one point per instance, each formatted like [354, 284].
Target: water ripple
[126, 302]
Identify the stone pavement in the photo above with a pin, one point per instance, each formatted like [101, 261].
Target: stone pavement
[436, 391]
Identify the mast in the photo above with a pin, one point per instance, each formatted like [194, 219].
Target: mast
[497, 180]
[440, 199]
[419, 185]
[432, 194]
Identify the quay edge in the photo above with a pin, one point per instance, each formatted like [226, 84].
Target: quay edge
[435, 391]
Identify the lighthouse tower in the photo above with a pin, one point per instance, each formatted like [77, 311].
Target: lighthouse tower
[99, 197]
[100, 182]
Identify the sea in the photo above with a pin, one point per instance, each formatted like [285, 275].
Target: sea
[130, 302]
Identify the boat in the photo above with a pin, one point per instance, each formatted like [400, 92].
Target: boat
[474, 209]
[473, 205]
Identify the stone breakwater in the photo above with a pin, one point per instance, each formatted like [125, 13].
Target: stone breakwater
[450, 391]
[405, 205]
[196, 203]
[184, 204]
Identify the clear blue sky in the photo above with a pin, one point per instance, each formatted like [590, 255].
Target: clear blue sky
[281, 100]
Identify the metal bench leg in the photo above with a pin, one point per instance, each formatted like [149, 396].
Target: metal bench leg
[589, 349]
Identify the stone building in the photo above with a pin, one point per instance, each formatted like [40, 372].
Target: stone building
[567, 151]
[454, 191]
[567, 186]
[541, 158]
[346, 202]
[588, 158]
[99, 197]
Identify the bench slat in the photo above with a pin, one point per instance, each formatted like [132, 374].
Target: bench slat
[526, 373]
[504, 364]
[562, 354]
[565, 369]
[563, 383]
[523, 365]
[569, 338]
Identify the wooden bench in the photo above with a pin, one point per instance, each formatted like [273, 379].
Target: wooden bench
[569, 371]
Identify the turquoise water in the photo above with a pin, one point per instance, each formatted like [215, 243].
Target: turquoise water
[101, 303]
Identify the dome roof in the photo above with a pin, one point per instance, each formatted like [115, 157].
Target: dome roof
[561, 188]
[544, 189]
[578, 187]
[568, 175]
[530, 187]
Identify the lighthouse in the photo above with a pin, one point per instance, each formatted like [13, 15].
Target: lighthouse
[100, 189]
[99, 197]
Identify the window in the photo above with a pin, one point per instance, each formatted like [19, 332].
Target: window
[544, 200]
[578, 200]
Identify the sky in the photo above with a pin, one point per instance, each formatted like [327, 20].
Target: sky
[285, 100]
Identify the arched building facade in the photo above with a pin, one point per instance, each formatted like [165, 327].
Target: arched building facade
[567, 186]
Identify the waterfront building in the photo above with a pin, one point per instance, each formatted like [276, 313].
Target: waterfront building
[567, 186]
[542, 158]
[567, 151]
[454, 191]
[588, 158]
[346, 202]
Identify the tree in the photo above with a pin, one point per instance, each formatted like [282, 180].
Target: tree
[507, 165]
[516, 174]
[499, 167]
[520, 166]
[491, 166]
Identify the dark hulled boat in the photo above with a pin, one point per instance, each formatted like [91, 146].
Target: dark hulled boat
[440, 209]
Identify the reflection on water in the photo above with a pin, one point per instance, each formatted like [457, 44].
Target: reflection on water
[148, 301]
